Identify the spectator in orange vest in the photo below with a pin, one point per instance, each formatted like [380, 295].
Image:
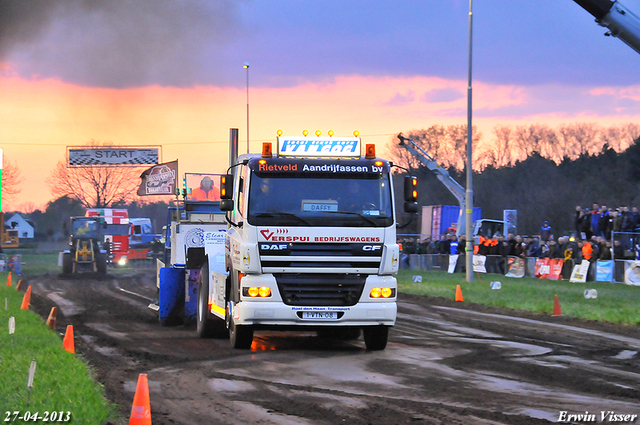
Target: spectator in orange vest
[206, 192]
[587, 250]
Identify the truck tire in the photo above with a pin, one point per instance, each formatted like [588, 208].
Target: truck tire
[67, 263]
[375, 337]
[207, 324]
[101, 264]
[240, 336]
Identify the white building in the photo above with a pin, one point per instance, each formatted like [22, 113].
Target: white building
[25, 229]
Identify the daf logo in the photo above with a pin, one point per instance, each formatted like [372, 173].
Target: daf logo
[371, 248]
[273, 247]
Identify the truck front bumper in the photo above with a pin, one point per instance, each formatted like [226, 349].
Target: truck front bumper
[279, 314]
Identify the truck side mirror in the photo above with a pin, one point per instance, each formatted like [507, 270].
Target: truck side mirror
[226, 187]
[410, 207]
[226, 205]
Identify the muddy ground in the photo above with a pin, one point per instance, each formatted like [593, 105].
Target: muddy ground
[446, 363]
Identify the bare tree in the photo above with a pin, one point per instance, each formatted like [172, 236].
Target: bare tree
[447, 145]
[580, 139]
[620, 137]
[95, 186]
[11, 180]
[501, 154]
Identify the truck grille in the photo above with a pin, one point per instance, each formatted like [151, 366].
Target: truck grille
[320, 289]
[320, 257]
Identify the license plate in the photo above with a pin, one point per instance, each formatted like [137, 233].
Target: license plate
[319, 315]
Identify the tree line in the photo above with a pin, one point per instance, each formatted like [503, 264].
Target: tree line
[543, 180]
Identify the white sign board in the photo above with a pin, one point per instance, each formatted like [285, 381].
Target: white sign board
[319, 146]
[112, 156]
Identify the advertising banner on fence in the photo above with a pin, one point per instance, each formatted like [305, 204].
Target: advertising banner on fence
[632, 273]
[516, 267]
[453, 260]
[604, 271]
[579, 273]
[548, 268]
[479, 263]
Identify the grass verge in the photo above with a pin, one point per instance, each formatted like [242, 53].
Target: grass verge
[616, 303]
[62, 383]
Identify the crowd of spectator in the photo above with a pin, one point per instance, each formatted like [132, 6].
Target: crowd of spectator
[591, 241]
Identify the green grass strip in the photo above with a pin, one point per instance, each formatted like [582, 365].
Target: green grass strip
[62, 382]
[616, 303]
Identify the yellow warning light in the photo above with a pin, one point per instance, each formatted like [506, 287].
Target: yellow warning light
[279, 133]
[253, 291]
[318, 133]
[262, 161]
[378, 163]
[386, 292]
[305, 133]
[356, 133]
[330, 133]
[264, 291]
[375, 293]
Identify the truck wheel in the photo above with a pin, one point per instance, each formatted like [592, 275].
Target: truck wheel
[101, 264]
[375, 337]
[67, 263]
[207, 324]
[240, 336]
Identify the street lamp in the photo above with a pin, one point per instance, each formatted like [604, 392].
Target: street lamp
[469, 192]
[246, 66]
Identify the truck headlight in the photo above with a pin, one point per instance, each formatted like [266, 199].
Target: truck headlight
[382, 292]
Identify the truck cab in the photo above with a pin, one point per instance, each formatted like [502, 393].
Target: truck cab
[311, 244]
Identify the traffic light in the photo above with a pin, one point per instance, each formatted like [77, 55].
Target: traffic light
[411, 194]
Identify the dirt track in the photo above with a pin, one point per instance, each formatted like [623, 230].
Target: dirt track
[443, 365]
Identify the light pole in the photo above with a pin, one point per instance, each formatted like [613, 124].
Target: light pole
[469, 193]
[246, 66]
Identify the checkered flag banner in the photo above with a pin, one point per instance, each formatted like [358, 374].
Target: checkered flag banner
[112, 156]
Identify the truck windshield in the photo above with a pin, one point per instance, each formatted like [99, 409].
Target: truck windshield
[322, 202]
[86, 228]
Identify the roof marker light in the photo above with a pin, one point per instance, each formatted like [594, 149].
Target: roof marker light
[330, 133]
[279, 133]
[305, 133]
[318, 133]
[356, 133]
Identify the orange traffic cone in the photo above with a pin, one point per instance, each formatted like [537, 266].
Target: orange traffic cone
[141, 408]
[26, 300]
[556, 306]
[459, 294]
[9, 279]
[19, 286]
[68, 342]
[51, 321]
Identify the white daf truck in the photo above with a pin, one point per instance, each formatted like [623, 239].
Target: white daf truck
[311, 244]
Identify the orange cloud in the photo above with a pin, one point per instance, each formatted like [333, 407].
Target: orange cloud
[39, 118]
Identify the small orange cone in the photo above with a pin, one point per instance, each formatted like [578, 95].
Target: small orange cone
[26, 300]
[19, 286]
[459, 294]
[141, 408]
[556, 306]
[51, 321]
[9, 279]
[68, 342]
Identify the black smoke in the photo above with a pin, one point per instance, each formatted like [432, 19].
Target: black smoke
[116, 43]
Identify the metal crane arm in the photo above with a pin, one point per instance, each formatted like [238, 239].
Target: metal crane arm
[619, 19]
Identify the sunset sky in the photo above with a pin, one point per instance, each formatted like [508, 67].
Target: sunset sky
[170, 73]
